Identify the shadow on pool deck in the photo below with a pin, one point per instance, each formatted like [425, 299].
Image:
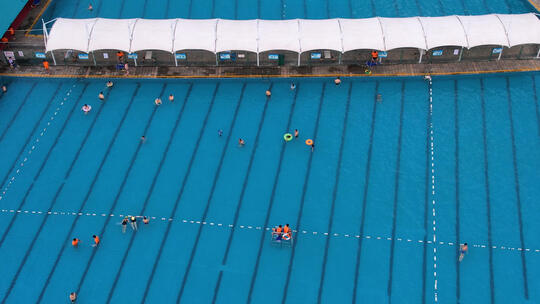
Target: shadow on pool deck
[288, 71]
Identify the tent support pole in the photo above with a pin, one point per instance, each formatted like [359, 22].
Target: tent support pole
[421, 55]
[538, 54]
[298, 59]
[53, 59]
[339, 58]
[460, 54]
[216, 60]
[94, 58]
[175, 60]
[257, 59]
[135, 60]
[500, 54]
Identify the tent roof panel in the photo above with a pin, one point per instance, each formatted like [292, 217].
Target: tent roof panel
[111, 34]
[362, 34]
[236, 35]
[320, 35]
[522, 28]
[195, 34]
[403, 33]
[153, 35]
[449, 25]
[72, 34]
[279, 35]
[484, 30]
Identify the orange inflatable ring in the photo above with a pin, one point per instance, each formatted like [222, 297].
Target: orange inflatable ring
[309, 142]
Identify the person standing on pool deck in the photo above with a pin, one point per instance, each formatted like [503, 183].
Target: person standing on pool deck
[46, 66]
[124, 224]
[462, 251]
[134, 223]
[75, 242]
[241, 142]
[220, 132]
[126, 67]
[73, 297]
[296, 133]
[171, 98]
[96, 240]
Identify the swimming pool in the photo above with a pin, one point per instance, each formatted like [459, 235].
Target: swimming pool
[375, 207]
[281, 9]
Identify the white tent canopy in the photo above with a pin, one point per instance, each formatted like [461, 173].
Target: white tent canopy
[454, 34]
[195, 34]
[110, 34]
[237, 35]
[279, 35]
[362, 34]
[153, 35]
[300, 35]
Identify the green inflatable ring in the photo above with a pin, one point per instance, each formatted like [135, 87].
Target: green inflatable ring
[288, 137]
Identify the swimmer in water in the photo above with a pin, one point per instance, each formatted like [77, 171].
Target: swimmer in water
[4, 89]
[96, 240]
[75, 242]
[134, 223]
[293, 86]
[73, 297]
[143, 139]
[110, 84]
[462, 251]
[296, 133]
[220, 132]
[312, 147]
[268, 93]
[157, 101]
[86, 109]
[124, 224]
[145, 220]
[241, 142]
[171, 98]
[337, 81]
[90, 7]
[101, 96]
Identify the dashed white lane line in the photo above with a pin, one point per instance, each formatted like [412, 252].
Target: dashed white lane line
[433, 202]
[254, 227]
[34, 144]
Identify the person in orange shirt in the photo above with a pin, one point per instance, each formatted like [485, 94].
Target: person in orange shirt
[46, 65]
[374, 56]
[96, 240]
[276, 231]
[75, 242]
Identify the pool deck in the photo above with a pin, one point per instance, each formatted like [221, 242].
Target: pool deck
[455, 68]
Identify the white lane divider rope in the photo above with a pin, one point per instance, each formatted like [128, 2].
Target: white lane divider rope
[255, 227]
[433, 203]
[34, 145]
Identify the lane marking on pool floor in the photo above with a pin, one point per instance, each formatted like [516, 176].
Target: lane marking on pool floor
[433, 203]
[35, 144]
[255, 227]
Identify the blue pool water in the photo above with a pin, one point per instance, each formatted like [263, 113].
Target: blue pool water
[279, 9]
[362, 202]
